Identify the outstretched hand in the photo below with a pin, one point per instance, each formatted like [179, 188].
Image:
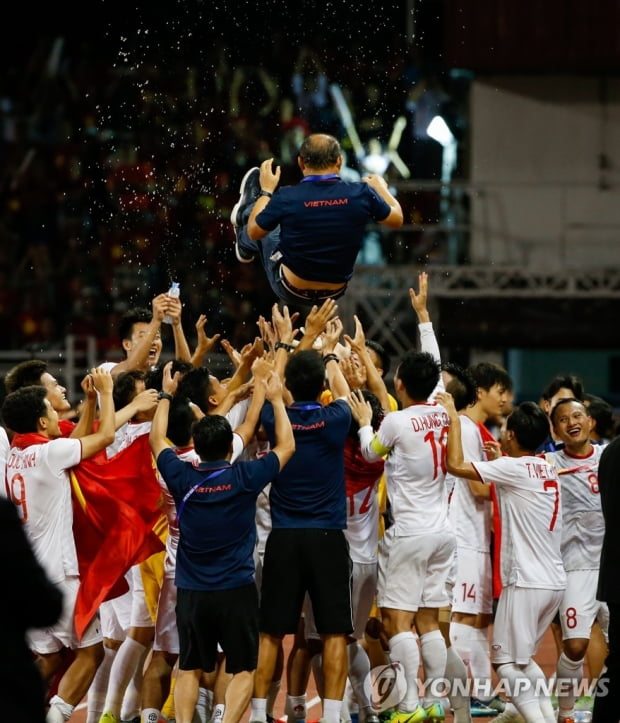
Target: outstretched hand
[419, 300]
[360, 408]
[357, 342]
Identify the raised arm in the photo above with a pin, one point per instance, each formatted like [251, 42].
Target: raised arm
[144, 401]
[181, 347]
[93, 443]
[261, 369]
[139, 355]
[247, 355]
[455, 462]
[394, 219]
[89, 409]
[315, 323]
[285, 441]
[268, 180]
[159, 426]
[204, 343]
[374, 380]
[428, 340]
[335, 378]
[283, 327]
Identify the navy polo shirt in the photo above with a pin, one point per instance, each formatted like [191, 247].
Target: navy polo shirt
[217, 523]
[310, 491]
[322, 225]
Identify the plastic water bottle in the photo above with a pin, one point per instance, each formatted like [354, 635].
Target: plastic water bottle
[174, 292]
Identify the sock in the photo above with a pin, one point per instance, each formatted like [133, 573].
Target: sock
[535, 674]
[456, 675]
[404, 649]
[130, 707]
[522, 691]
[569, 675]
[460, 637]
[359, 668]
[345, 713]
[149, 715]
[258, 710]
[272, 694]
[218, 713]
[331, 710]
[167, 709]
[99, 686]
[127, 659]
[204, 705]
[295, 707]
[59, 710]
[350, 697]
[480, 662]
[434, 655]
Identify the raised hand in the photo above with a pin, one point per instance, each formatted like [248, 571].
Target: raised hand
[419, 300]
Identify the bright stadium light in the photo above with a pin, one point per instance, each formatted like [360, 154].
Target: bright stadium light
[438, 130]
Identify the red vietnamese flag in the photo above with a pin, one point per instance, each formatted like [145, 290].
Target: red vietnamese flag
[486, 435]
[116, 502]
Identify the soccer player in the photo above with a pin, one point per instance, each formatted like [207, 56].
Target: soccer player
[582, 537]
[416, 552]
[472, 603]
[527, 491]
[38, 482]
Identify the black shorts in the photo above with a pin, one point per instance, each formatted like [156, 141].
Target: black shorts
[300, 561]
[227, 617]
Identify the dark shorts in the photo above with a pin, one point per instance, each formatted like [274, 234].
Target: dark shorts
[267, 251]
[227, 617]
[300, 561]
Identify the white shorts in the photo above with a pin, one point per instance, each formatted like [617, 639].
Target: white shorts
[116, 616]
[414, 570]
[472, 591]
[363, 591]
[579, 607]
[602, 619]
[63, 634]
[140, 615]
[166, 633]
[521, 621]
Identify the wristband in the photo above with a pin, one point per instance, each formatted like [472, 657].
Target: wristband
[165, 395]
[331, 357]
[265, 193]
[283, 345]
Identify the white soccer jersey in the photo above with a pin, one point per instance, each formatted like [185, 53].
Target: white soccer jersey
[187, 454]
[583, 526]
[528, 493]
[470, 517]
[125, 435]
[363, 523]
[237, 413]
[415, 467]
[38, 483]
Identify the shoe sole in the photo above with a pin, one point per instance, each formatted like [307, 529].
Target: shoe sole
[240, 258]
[235, 210]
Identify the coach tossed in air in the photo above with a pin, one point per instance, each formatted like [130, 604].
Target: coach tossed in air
[308, 235]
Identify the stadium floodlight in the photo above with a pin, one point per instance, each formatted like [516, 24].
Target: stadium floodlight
[438, 130]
